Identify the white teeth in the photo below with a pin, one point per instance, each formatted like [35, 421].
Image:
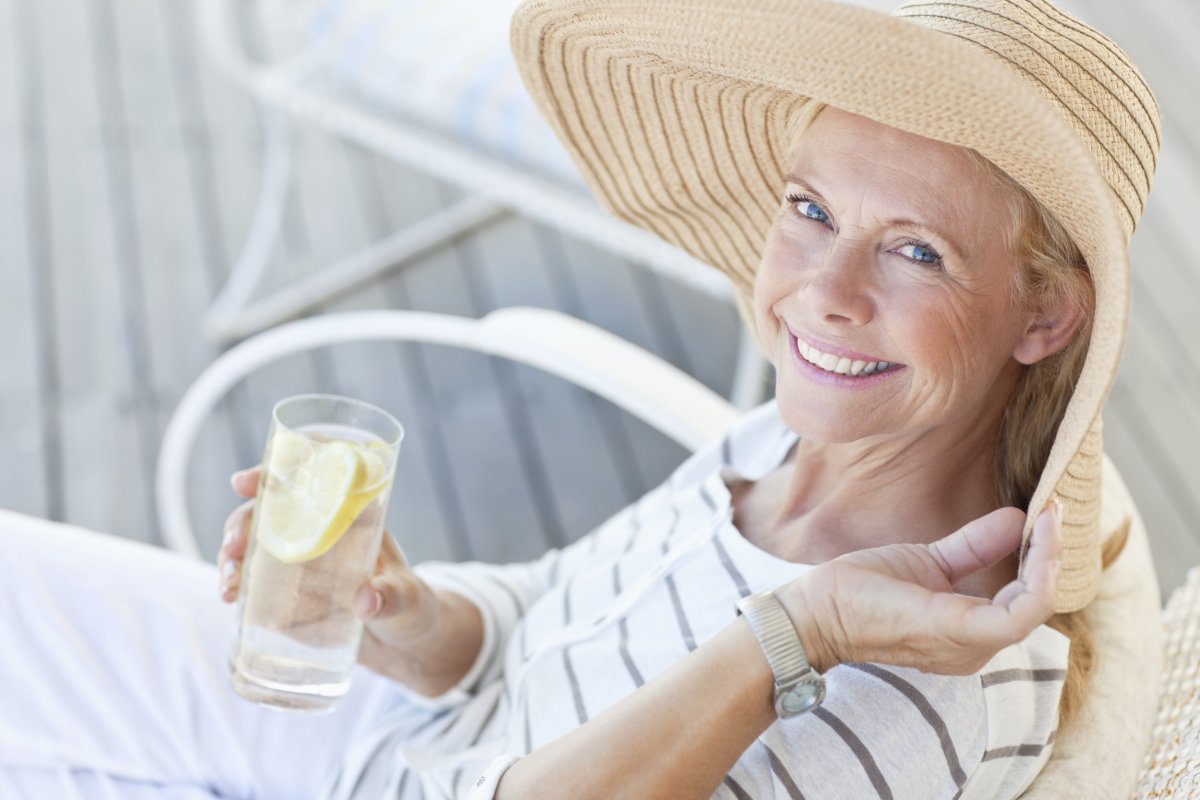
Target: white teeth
[839, 364]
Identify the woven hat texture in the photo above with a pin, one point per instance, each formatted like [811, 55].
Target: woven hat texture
[676, 113]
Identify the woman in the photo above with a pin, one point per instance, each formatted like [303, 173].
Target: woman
[931, 249]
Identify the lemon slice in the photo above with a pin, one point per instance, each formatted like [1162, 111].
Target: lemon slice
[313, 493]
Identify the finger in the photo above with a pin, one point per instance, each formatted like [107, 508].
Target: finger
[979, 544]
[233, 551]
[1018, 608]
[237, 532]
[1045, 542]
[390, 554]
[245, 482]
[388, 596]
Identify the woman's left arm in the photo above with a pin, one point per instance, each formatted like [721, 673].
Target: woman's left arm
[680, 734]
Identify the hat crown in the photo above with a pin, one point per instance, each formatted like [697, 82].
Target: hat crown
[1083, 73]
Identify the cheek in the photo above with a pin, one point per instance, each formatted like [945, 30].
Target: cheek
[958, 344]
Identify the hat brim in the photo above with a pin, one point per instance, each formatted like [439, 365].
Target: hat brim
[676, 114]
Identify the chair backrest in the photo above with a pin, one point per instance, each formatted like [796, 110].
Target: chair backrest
[1100, 753]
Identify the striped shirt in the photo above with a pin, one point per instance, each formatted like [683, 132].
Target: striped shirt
[574, 632]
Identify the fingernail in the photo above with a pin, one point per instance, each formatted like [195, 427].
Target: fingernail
[233, 479]
[369, 603]
[228, 570]
[1056, 509]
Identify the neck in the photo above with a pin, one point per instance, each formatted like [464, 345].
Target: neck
[839, 497]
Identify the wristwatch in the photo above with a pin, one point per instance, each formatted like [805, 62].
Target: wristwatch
[798, 687]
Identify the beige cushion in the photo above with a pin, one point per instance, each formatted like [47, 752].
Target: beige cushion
[1099, 755]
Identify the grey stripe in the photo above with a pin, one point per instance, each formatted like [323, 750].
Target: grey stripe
[567, 603]
[738, 580]
[403, 782]
[524, 644]
[736, 788]
[782, 774]
[689, 639]
[858, 748]
[580, 709]
[528, 732]
[1019, 750]
[927, 711]
[1014, 675]
[623, 627]
[727, 451]
[707, 497]
[634, 672]
[1015, 750]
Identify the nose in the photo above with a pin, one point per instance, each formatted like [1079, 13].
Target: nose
[839, 290]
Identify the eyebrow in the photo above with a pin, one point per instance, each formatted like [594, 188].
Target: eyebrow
[896, 221]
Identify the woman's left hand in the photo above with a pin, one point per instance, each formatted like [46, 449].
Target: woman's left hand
[896, 604]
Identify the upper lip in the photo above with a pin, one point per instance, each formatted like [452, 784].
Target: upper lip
[841, 352]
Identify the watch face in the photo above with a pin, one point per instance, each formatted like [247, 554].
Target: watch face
[801, 698]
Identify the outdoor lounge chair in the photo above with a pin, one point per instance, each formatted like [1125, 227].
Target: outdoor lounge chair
[1098, 756]
[431, 85]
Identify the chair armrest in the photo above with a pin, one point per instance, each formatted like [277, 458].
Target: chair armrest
[633, 379]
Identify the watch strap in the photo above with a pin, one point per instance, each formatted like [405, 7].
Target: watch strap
[777, 636]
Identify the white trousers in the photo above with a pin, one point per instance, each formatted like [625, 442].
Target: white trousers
[114, 681]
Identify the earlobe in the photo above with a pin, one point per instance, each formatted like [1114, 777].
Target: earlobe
[1047, 334]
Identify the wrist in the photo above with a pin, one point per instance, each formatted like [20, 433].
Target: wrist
[800, 600]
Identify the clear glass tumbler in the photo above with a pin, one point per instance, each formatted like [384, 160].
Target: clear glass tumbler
[315, 536]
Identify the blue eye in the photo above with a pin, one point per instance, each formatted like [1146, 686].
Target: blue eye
[807, 208]
[922, 254]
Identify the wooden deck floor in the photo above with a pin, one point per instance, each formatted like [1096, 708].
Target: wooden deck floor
[128, 174]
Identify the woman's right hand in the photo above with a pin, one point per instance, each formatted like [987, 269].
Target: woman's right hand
[402, 613]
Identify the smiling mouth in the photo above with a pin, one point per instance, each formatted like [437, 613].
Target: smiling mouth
[841, 365]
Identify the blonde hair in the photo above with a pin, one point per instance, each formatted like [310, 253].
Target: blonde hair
[1051, 268]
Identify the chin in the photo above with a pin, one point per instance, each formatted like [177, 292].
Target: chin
[823, 428]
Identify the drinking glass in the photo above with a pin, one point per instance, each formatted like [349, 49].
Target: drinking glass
[315, 535]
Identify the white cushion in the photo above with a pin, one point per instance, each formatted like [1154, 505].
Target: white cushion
[1100, 754]
[444, 65]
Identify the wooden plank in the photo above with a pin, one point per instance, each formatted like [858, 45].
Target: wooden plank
[609, 290]
[579, 470]
[103, 443]
[482, 475]
[344, 212]
[169, 246]
[1127, 439]
[24, 482]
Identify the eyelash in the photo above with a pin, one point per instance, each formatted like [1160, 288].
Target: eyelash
[794, 200]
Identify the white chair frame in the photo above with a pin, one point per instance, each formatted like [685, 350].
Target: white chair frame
[639, 382]
[497, 188]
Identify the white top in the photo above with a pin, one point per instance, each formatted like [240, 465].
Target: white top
[569, 635]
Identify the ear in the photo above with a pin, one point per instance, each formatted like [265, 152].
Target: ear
[1049, 331]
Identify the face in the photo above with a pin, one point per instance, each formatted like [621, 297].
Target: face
[885, 290]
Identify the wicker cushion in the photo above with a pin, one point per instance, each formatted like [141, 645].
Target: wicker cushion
[1172, 767]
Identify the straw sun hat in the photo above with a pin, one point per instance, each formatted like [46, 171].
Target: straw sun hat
[676, 111]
